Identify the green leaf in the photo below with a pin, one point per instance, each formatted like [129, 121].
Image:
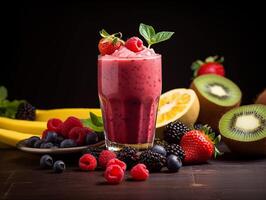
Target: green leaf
[211, 59]
[3, 93]
[217, 140]
[162, 36]
[220, 60]
[95, 119]
[103, 33]
[88, 123]
[217, 152]
[212, 136]
[147, 32]
[151, 37]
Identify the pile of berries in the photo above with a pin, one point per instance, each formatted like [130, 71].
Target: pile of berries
[70, 133]
[180, 144]
[114, 168]
[192, 145]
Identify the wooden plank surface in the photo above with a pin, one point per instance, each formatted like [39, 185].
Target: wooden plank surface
[229, 177]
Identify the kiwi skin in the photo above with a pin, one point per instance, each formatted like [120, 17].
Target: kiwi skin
[211, 113]
[246, 148]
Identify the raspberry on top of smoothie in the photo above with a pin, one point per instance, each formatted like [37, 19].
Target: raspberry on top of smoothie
[113, 44]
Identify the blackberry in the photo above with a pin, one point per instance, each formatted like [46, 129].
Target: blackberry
[174, 132]
[129, 156]
[26, 111]
[95, 151]
[175, 149]
[153, 161]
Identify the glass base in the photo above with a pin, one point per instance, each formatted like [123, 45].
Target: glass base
[113, 146]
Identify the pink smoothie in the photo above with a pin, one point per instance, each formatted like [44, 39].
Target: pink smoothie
[129, 87]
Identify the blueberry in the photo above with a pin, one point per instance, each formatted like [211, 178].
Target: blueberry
[173, 163]
[68, 143]
[46, 145]
[38, 143]
[46, 161]
[59, 139]
[59, 166]
[30, 141]
[91, 138]
[159, 149]
[51, 136]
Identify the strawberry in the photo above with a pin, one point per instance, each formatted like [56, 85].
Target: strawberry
[109, 43]
[211, 65]
[199, 146]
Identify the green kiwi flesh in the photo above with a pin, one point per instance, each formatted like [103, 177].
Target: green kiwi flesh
[218, 90]
[243, 129]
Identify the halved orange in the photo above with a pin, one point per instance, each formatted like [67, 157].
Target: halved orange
[178, 104]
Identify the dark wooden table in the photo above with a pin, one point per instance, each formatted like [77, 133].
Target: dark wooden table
[229, 177]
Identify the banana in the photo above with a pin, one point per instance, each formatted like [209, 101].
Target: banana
[63, 113]
[11, 138]
[31, 127]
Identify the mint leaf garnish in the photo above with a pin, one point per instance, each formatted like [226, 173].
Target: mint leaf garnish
[88, 123]
[3, 93]
[151, 37]
[95, 119]
[94, 122]
[147, 32]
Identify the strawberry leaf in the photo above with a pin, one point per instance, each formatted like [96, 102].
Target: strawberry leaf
[217, 140]
[104, 33]
[195, 67]
[217, 152]
[220, 60]
[211, 59]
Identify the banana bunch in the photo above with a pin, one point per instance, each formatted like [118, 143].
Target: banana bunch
[13, 130]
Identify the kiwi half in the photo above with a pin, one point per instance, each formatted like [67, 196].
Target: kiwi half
[243, 129]
[217, 95]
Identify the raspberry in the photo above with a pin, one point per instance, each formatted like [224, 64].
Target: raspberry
[114, 174]
[44, 133]
[54, 125]
[87, 162]
[116, 161]
[104, 157]
[70, 123]
[139, 172]
[78, 134]
[134, 44]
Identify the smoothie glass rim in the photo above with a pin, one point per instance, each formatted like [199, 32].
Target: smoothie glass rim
[110, 57]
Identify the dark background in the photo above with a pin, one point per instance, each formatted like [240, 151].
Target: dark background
[49, 50]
